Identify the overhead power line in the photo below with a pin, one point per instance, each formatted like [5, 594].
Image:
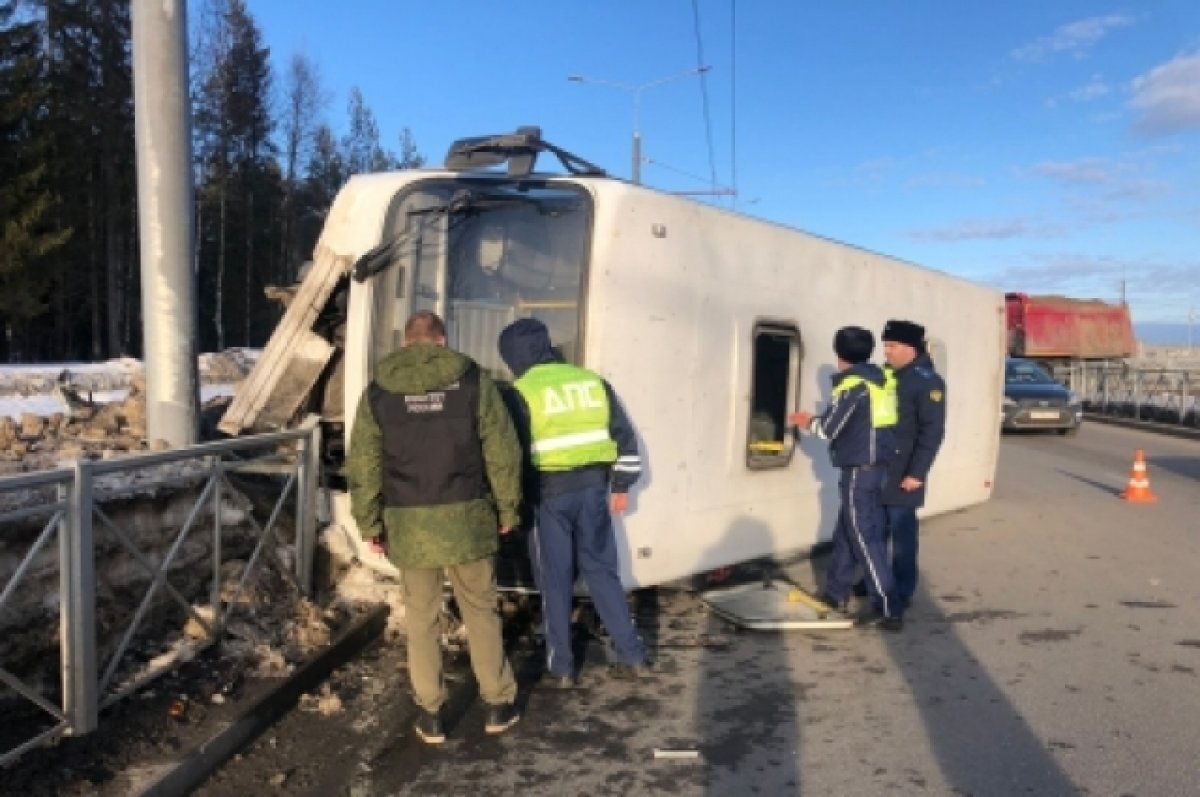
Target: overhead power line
[652, 162]
[733, 177]
[712, 165]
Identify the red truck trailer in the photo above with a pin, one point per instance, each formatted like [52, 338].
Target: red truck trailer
[1052, 328]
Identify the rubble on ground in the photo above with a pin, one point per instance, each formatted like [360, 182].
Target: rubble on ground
[88, 429]
[269, 629]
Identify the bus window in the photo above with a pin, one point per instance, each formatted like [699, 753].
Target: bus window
[773, 394]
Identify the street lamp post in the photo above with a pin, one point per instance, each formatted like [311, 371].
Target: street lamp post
[637, 90]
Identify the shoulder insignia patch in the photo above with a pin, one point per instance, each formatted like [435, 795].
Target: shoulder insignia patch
[935, 395]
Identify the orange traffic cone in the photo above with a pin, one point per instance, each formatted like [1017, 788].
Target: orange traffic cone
[1138, 491]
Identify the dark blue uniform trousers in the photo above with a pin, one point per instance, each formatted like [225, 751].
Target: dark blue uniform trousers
[902, 528]
[574, 530]
[859, 539]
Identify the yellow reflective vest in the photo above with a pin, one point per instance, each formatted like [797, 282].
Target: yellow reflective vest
[569, 417]
[885, 408]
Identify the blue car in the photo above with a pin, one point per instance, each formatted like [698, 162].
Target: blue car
[1033, 400]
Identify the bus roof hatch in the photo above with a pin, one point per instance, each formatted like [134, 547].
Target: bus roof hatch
[519, 149]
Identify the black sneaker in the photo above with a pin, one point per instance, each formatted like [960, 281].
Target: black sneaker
[429, 728]
[632, 672]
[500, 718]
[880, 622]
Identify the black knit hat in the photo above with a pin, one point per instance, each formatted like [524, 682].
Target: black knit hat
[905, 332]
[854, 344]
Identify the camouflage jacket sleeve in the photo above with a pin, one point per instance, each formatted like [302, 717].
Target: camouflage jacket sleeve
[501, 452]
[364, 472]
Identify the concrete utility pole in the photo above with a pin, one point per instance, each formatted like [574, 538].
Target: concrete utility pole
[637, 90]
[162, 118]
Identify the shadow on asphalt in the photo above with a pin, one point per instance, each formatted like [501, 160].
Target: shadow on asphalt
[1048, 434]
[1103, 487]
[747, 729]
[981, 742]
[1188, 467]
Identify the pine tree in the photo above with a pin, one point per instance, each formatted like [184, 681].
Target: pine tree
[116, 166]
[240, 180]
[304, 102]
[410, 157]
[88, 115]
[28, 205]
[211, 149]
[325, 174]
[68, 237]
[362, 151]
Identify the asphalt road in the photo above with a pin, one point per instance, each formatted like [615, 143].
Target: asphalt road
[1054, 648]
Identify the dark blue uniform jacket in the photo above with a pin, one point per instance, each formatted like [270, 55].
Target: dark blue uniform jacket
[846, 423]
[921, 394]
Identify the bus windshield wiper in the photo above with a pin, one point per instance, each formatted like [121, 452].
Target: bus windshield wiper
[379, 257]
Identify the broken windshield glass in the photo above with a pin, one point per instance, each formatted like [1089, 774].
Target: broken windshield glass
[482, 256]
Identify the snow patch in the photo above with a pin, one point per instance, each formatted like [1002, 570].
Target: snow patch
[30, 387]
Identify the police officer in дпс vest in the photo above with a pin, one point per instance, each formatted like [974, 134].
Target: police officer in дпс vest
[921, 425]
[858, 425]
[581, 444]
[434, 469]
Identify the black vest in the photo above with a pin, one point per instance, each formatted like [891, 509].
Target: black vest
[431, 449]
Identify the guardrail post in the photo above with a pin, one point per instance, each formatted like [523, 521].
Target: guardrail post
[214, 599]
[77, 580]
[1183, 397]
[1137, 395]
[308, 464]
[1193, 405]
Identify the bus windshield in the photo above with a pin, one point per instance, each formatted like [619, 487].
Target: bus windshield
[482, 254]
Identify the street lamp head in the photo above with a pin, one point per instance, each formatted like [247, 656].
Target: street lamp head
[636, 91]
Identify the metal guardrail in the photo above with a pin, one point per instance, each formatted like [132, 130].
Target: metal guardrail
[1165, 395]
[76, 515]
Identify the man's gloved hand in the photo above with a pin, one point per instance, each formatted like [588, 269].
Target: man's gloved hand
[620, 502]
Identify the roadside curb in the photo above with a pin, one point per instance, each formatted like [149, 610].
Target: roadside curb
[197, 765]
[1170, 430]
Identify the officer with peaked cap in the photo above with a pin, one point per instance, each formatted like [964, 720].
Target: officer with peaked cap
[920, 427]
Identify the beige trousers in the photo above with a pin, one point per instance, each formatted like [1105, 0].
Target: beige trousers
[474, 585]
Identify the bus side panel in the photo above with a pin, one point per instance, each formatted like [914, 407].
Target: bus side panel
[675, 289]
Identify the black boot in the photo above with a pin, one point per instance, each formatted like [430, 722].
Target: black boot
[429, 727]
[500, 718]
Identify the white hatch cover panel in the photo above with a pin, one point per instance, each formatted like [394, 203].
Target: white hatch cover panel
[774, 606]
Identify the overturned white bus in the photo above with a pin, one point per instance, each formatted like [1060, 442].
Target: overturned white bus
[712, 326]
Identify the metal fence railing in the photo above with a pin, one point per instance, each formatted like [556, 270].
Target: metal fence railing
[70, 506]
[1164, 395]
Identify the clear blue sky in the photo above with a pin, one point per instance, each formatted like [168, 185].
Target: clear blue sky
[1031, 145]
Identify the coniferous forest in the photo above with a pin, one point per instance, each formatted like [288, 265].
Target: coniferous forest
[267, 162]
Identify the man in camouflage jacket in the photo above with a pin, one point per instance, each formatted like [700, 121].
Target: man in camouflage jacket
[434, 469]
